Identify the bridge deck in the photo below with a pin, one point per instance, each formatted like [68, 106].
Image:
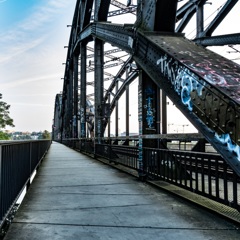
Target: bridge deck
[76, 197]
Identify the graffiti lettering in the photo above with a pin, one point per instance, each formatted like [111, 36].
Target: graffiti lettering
[183, 81]
[150, 112]
[82, 120]
[225, 139]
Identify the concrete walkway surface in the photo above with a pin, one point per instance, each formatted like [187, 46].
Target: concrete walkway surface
[76, 197]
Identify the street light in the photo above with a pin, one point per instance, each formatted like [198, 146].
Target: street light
[184, 125]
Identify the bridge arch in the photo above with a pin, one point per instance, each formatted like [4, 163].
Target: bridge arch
[202, 84]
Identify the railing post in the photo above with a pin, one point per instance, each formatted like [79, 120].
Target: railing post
[30, 166]
[1, 210]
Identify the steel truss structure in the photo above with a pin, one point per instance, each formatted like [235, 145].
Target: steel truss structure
[202, 84]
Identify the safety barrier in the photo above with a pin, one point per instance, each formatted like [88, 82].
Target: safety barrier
[206, 174]
[18, 161]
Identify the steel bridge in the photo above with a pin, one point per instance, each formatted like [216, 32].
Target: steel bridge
[124, 53]
[125, 62]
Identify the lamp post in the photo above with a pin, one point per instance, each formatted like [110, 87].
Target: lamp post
[184, 125]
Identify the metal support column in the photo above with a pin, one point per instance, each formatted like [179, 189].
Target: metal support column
[116, 111]
[109, 118]
[75, 93]
[127, 111]
[141, 173]
[200, 20]
[147, 116]
[98, 91]
[70, 101]
[158, 112]
[83, 53]
[163, 98]
[127, 108]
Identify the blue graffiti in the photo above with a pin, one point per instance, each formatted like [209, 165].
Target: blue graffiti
[150, 112]
[225, 139]
[183, 81]
[149, 91]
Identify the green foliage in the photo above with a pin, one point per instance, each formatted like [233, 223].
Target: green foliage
[5, 119]
[46, 135]
[4, 136]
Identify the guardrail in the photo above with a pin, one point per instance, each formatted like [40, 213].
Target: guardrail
[206, 174]
[18, 161]
[202, 173]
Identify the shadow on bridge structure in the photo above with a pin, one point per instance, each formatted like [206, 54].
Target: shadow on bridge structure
[126, 61]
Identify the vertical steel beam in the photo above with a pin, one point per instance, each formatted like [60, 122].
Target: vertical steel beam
[127, 105]
[98, 89]
[109, 118]
[146, 14]
[165, 15]
[127, 110]
[163, 112]
[86, 11]
[147, 117]
[140, 166]
[75, 109]
[116, 111]
[67, 110]
[200, 20]
[158, 112]
[83, 93]
[70, 103]
[101, 10]
[157, 15]
[96, 9]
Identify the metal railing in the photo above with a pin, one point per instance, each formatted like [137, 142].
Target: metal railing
[18, 161]
[206, 174]
[202, 173]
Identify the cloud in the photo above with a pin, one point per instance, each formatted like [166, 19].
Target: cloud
[20, 82]
[31, 31]
[19, 48]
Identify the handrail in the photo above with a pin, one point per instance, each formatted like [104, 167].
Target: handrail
[18, 161]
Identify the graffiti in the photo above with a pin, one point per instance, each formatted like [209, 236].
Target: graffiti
[225, 139]
[150, 112]
[82, 120]
[186, 81]
[207, 72]
[183, 81]
[99, 127]
[140, 145]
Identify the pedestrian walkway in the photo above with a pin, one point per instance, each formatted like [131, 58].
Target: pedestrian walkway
[76, 197]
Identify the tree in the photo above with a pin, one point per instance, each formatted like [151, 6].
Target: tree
[46, 135]
[4, 136]
[5, 119]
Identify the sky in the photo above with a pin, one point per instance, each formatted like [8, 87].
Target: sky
[32, 39]
[33, 34]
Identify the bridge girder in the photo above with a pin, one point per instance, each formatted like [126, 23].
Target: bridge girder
[203, 85]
